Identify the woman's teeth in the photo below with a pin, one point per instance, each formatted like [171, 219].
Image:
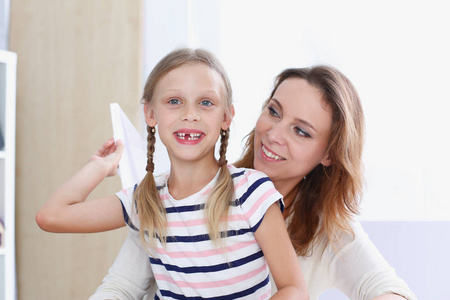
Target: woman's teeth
[189, 136]
[270, 154]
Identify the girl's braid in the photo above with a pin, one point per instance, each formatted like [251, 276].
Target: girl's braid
[224, 135]
[150, 149]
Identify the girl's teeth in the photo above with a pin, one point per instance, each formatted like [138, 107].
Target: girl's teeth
[190, 137]
[270, 154]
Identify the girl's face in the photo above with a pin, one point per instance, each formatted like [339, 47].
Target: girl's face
[292, 134]
[189, 108]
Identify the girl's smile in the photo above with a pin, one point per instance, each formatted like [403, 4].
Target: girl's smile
[188, 136]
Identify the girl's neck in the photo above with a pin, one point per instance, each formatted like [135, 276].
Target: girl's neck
[187, 180]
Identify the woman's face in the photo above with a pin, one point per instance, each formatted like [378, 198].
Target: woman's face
[292, 134]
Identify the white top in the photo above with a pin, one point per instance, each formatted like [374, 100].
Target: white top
[355, 267]
[190, 265]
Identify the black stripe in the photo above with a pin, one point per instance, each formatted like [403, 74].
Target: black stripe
[235, 175]
[209, 269]
[252, 188]
[185, 208]
[243, 293]
[127, 218]
[204, 237]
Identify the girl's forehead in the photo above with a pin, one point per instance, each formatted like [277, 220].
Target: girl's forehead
[193, 78]
[193, 72]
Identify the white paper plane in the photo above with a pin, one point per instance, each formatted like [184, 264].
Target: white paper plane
[134, 157]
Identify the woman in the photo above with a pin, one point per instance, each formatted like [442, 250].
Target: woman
[309, 141]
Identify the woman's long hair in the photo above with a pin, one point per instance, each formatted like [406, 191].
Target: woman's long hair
[329, 196]
[152, 215]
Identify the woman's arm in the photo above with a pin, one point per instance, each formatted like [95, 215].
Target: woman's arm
[130, 277]
[67, 211]
[359, 270]
[280, 255]
[389, 297]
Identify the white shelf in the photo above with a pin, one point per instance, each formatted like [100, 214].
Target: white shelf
[8, 64]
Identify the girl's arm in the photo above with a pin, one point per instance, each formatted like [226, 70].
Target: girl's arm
[67, 211]
[274, 241]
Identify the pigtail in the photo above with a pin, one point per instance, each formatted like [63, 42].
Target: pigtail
[218, 203]
[151, 140]
[151, 212]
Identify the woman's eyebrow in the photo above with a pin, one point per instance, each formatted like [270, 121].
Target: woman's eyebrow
[304, 122]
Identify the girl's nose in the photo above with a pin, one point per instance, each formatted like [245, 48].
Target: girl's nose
[276, 134]
[190, 114]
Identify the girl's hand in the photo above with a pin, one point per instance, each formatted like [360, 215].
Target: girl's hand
[66, 209]
[110, 154]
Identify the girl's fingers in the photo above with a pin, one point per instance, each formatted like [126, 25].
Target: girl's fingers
[119, 147]
[106, 148]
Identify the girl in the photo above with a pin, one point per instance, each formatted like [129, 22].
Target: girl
[206, 224]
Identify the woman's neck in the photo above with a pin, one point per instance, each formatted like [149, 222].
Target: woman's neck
[186, 180]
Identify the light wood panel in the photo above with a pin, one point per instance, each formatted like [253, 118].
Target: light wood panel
[74, 58]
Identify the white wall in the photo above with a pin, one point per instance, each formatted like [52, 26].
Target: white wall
[395, 52]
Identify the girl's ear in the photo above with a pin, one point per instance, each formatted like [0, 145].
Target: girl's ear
[327, 160]
[150, 118]
[227, 118]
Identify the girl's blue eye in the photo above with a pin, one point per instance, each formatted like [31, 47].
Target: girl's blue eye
[174, 101]
[273, 112]
[206, 103]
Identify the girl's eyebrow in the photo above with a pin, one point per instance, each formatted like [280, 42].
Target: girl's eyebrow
[304, 122]
[208, 92]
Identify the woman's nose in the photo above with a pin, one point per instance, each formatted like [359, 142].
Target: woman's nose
[276, 134]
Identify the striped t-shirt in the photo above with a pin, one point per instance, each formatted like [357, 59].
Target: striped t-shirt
[190, 266]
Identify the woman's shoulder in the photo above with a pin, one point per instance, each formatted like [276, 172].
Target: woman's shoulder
[354, 238]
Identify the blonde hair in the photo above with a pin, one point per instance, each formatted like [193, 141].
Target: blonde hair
[152, 215]
[326, 200]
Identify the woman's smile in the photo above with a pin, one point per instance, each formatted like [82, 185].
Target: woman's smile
[269, 155]
[292, 133]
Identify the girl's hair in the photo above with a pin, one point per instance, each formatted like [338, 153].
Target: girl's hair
[326, 200]
[152, 215]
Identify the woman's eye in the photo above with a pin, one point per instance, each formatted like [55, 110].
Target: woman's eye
[273, 112]
[301, 132]
[206, 103]
[174, 101]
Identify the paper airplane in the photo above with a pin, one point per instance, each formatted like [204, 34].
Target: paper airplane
[134, 157]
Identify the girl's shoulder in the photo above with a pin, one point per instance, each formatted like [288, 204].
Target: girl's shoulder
[241, 173]
[252, 184]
